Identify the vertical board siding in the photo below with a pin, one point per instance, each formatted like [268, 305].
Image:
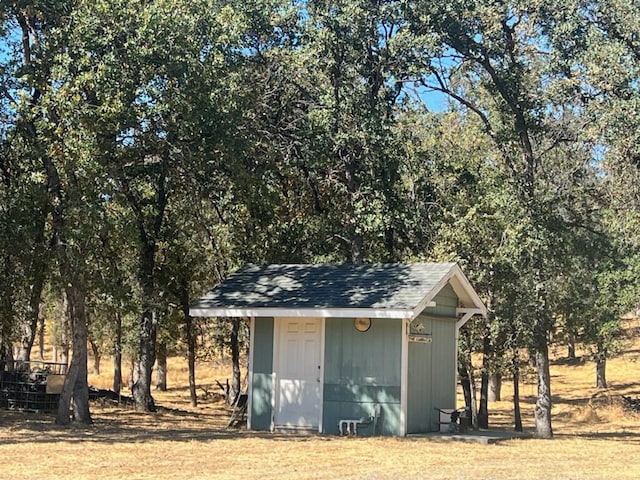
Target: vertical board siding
[362, 369]
[420, 398]
[444, 359]
[432, 375]
[432, 366]
[446, 303]
[262, 381]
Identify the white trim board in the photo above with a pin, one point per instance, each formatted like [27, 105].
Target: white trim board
[302, 312]
[252, 331]
[322, 345]
[461, 286]
[467, 313]
[274, 371]
[404, 377]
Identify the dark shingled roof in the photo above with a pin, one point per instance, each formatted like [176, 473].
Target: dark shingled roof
[396, 286]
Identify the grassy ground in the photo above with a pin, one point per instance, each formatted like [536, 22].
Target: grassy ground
[595, 439]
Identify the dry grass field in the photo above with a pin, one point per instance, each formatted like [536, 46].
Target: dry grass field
[595, 439]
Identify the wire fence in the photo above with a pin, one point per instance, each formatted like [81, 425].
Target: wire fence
[31, 386]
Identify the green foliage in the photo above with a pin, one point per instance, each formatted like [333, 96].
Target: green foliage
[192, 137]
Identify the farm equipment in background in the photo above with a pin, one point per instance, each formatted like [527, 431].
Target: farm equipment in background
[31, 386]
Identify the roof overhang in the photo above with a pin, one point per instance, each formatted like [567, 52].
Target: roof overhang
[469, 304]
[302, 312]
[465, 315]
[468, 299]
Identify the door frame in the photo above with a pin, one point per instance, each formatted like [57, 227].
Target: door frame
[278, 323]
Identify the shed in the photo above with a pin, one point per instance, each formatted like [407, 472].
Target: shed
[331, 342]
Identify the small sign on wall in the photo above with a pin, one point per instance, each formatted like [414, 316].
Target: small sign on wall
[420, 338]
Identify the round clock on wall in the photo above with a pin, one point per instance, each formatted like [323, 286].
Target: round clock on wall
[362, 324]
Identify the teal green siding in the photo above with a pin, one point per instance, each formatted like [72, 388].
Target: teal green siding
[362, 369]
[445, 361]
[432, 366]
[419, 402]
[262, 381]
[446, 303]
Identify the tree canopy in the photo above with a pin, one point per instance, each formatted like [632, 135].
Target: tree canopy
[147, 149]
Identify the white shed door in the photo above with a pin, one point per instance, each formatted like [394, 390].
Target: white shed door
[299, 373]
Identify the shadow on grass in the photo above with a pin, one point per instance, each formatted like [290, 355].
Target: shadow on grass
[627, 437]
[127, 426]
[119, 426]
[622, 387]
[612, 391]
[570, 361]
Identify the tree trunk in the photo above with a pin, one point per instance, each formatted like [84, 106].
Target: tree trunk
[63, 416]
[357, 254]
[541, 321]
[63, 350]
[141, 390]
[28, 332]
[64, 358]
[495, 386]
[470, 397]
[41, 339]
[390, 244]
[235, 359]
[75, 384]
[191, 343]
[6, 357]
[191, 360]
[6, 347]
[117, 357]
[571, 346]
[96, 356]
[466, 384]
[466, 379]
[148, 226]
[81, 412]
[483, 410]
[6, 350]
[161, 367]
[601, 367]
[474, 401]
[543, 400]
[132, 373]
[515, 369]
